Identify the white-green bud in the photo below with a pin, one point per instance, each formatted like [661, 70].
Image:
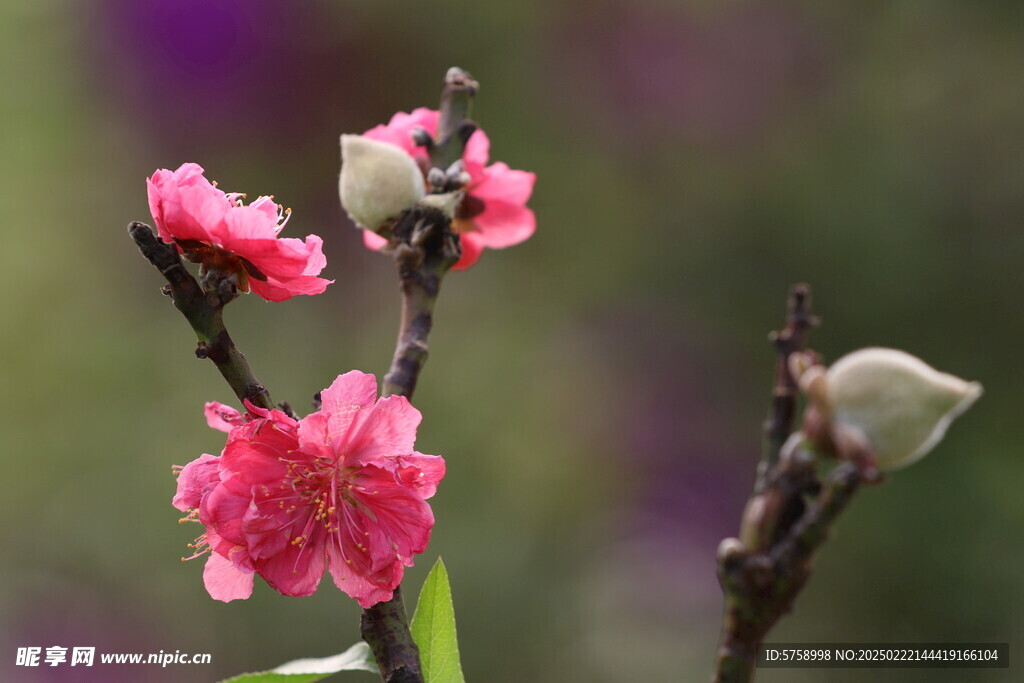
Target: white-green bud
[378, 181]
[900, 404]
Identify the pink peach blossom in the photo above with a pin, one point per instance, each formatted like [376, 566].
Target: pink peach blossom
[493, 214]
[341, 490]
[214, 228]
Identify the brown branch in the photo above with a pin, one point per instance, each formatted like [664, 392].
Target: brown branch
[762, 583]
[428, 248]
[425, 248]
[204, 311]
[812, 529]
[789, 340]
[786, 520]
[396, 653]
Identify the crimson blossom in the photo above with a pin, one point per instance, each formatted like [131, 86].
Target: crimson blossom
[493, 213]
[340, 490]
[215, 229]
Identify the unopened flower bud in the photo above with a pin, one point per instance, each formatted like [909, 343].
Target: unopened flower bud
[378, 181]
[900, 404]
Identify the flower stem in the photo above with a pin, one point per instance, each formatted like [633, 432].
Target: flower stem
[786, 520]
[205, 312]
[425, 248]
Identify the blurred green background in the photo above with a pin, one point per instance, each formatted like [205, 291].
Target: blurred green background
[597, 391]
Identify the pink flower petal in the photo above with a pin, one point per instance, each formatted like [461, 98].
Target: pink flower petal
[296, 571]
[270, 292]
[499, 182]
[224, 581]
[188, 174]
[417, 471]
[278, 417]
[299, 285]
[422, 117]
[316, 261]
[235, 553]
[198, 214]
[253, 222]
[223, 507]
[315, 436]
[471, 250]
[195, 480]
[221, 417]
[346, 401]
[162, 190]
[263, 537]
[503, 225]
[270, 209]
[388, 429]
[350, 391]
[366, 592]
[476, 154]
[400, 128]
[402, 517]
[260, 457]
[373, 241]
[173, 219]
[391, 136]
[308, 284]
[278, 261]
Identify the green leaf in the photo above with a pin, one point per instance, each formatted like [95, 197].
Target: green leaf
[356, 658]
[433, 629]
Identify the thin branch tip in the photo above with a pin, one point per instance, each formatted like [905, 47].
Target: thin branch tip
[460, 79]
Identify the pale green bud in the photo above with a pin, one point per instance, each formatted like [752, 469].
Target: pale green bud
[900, 404]
[378, 181]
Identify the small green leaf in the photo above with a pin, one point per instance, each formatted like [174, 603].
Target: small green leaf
[433, 629]
[271, 677]
[356, 658]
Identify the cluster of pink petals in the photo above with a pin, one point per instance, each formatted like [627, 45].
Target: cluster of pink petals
[341, 490]
[214, 228]
[493, 213]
